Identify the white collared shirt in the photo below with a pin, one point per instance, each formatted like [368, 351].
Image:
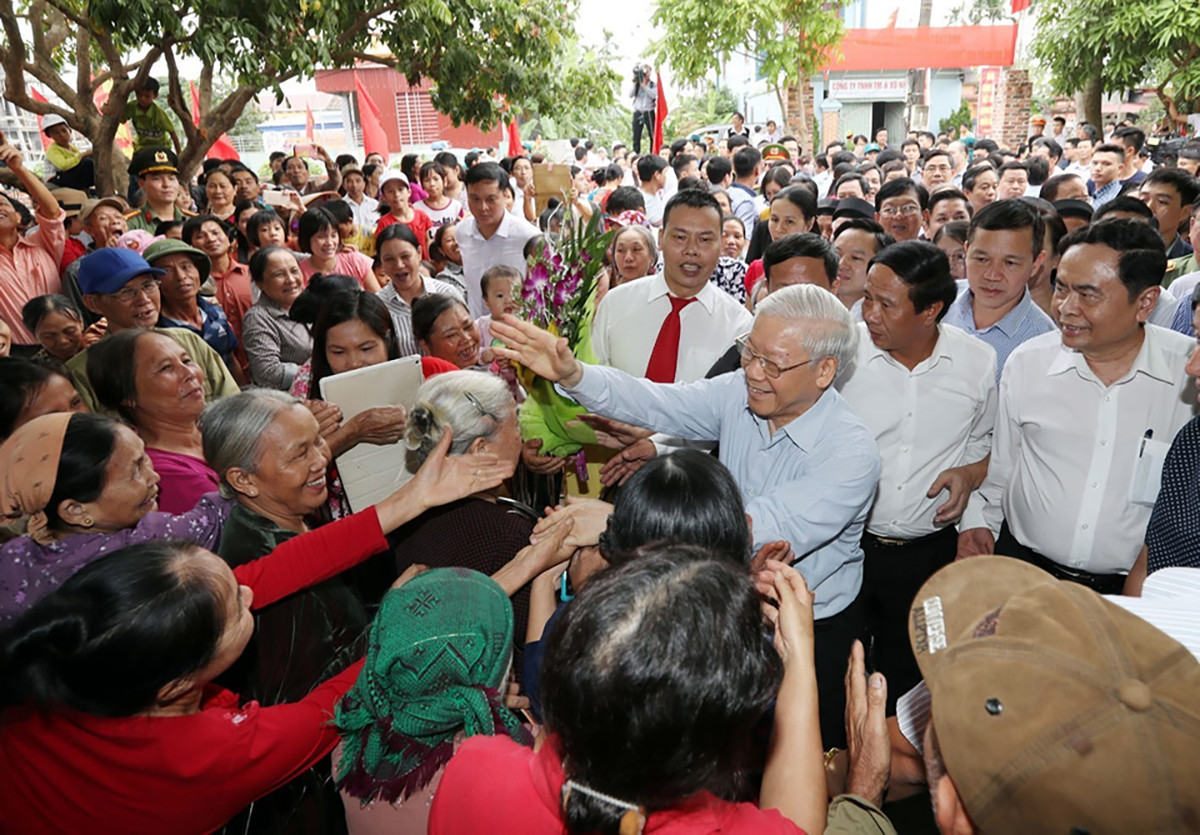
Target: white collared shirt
[937, 416]
[366, 214]
[630, 316]
[1065, 448]
[506, 246]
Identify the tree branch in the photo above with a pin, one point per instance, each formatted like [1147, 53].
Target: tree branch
[66, 11]
[83, 63]
[175, 99]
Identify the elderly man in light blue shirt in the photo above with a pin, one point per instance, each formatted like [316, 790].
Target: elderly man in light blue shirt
[806, 465]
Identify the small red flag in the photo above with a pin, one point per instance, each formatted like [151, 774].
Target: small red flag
[374, 139]
[309, 125]
[515, 148]
[36, 96]
[223, 147]
[1019, 6]
[660, 113]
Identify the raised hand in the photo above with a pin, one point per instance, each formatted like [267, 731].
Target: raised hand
[540, 351]
[445, 478]
[870, 747]
[628, 461]
[614, 434]
[589, 517]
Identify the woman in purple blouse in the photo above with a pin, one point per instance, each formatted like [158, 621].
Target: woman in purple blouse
[104, 496]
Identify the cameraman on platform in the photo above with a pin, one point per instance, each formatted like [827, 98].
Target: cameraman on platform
[645, 96]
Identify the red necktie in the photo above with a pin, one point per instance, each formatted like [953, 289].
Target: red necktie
[661, 368]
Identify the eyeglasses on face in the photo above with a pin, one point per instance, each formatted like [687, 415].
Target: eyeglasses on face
[150, 288]
[771, 368]
[906, 210]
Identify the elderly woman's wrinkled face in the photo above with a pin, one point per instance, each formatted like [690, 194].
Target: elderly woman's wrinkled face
[282, 279]
[219, 190]
[168, 382]
[289, 474]
[235, 601]
[130, 489]
[631, 256]
[55, 395]
[450, 245]
[454, 337]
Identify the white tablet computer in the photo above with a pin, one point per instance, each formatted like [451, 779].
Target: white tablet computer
[370, 473]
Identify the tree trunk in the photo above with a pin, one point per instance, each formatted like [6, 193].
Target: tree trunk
[1092, 94]
[112, 169]
[800, 113]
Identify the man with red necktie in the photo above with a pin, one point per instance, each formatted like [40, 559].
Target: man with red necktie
[671, 327]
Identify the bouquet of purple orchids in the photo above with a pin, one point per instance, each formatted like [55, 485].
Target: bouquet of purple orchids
[558, 294]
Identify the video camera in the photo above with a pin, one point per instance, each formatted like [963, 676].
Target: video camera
[641, 73]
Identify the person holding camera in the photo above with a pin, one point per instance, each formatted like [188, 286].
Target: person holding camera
[645, 97]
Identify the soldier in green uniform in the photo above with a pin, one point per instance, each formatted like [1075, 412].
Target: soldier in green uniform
[157, 172]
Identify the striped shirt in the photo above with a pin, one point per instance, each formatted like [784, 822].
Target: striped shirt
[401, 311]
[1106, 193]
[1023, 322]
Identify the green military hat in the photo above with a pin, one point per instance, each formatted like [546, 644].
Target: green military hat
[150, 160]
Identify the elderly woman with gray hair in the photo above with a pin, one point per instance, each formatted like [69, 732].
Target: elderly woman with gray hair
[271, 458]
[806, 465]
[484, 530]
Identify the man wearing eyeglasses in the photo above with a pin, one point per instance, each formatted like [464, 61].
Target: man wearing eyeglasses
[902, 208]
[806, 464]
[121, 287]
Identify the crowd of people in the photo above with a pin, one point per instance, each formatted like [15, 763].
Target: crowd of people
[827, 387]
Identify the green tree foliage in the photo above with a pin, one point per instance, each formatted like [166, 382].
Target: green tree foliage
[604, 122]
[791, 39]
[975, 12]
[479, 54]
[960, 118]
[711, 105]
[1112, 46]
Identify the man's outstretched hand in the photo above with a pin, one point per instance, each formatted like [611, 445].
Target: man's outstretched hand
[540, 351]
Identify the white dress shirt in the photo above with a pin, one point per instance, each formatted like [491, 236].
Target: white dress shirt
[937, 416]
[1065, 448]
[654, 209]
[366, 214]
[630, 316]
[1164, 310]
[506, 246]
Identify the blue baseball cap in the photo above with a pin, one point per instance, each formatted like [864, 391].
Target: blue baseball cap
[109, 269]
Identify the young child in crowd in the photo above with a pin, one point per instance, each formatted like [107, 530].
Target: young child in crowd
[501, 287]
[396, 193]
[151, 124]
[73, 167]
[440, 208]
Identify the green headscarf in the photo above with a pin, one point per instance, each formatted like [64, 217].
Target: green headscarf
[440, 649]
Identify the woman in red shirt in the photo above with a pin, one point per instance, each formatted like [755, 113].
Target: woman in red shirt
[652, 684]
[111, 720]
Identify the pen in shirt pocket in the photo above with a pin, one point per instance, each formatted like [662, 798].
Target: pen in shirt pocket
[1148, 436]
